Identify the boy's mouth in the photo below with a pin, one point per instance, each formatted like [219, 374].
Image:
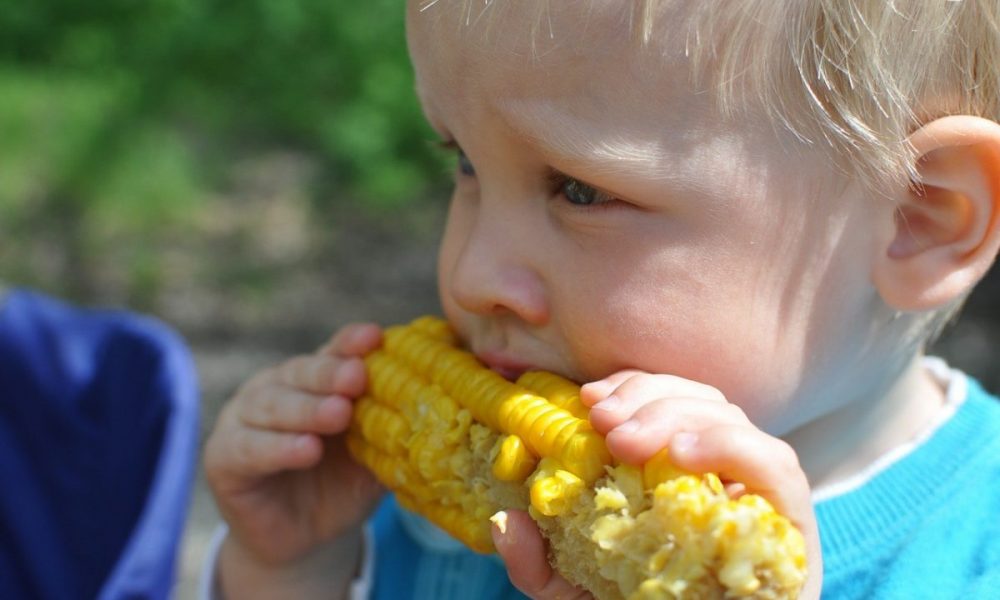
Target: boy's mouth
[507, 367]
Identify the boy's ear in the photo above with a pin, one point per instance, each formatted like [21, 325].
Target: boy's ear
[947, 227]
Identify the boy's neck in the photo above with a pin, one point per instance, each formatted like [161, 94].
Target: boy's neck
[842, 444]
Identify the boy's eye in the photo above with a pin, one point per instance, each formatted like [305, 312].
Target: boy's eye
[464, 164]
[581, 194]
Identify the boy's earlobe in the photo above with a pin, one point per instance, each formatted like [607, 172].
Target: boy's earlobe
[947, 227]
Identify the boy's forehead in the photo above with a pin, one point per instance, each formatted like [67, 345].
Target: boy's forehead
[542, 35]
[582, 56]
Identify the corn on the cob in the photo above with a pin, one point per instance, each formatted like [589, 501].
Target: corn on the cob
[457, 443]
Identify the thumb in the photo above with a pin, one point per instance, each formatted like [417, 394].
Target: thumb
[523, 549]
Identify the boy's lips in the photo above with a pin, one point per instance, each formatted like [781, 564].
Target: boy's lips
[507, 367]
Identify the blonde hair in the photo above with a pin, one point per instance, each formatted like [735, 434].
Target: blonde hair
[859, 75]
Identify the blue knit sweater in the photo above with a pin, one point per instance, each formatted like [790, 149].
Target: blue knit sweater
[927, 526]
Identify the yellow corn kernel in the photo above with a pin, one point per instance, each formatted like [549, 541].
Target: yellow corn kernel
[513, 462]
[659, 469]
[434, 327]
[559, 391]
[652, 589]
[383, 422]
[553, 495]
[497, 403]
[452, 520]
[552, 431]
[458, 443]
[390, 471]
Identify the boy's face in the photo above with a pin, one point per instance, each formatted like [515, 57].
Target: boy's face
[608, 217]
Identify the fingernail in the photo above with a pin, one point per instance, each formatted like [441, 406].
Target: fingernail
[358, 335]
[609, 404]
[630, 426]
[683, 441]
[596, 388]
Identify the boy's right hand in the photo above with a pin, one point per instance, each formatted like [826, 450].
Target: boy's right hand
[642, 413]
[277, 463]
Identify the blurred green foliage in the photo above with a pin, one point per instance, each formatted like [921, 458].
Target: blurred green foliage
[118, 118]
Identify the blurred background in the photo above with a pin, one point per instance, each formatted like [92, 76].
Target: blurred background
[255, 174]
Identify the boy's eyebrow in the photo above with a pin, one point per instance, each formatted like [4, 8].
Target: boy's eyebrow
[562, 138]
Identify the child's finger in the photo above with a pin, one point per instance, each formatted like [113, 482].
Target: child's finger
[288, 409]
[522, 548]
[765, 465]
[635, 437]
[355, 339]
[595, 391]
[616, 409]
[324, 374]
[635, 386]
[247, 453]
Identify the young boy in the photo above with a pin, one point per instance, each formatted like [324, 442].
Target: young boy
[740, 222]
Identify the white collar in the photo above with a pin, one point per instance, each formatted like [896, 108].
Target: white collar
[956, 387]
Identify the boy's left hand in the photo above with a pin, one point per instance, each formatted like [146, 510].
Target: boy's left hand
[640, 414]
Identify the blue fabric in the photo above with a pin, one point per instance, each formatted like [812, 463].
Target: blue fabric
[98, 442]
[406, 569]
[927, 527]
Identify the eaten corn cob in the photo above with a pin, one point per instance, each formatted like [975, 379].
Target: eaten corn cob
[457, 443]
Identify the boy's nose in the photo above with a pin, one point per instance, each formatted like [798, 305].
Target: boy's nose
[493, 275]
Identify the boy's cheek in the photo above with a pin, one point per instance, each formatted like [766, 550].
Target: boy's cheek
[755, 372]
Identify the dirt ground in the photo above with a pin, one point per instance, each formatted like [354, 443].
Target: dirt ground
[383, 270]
